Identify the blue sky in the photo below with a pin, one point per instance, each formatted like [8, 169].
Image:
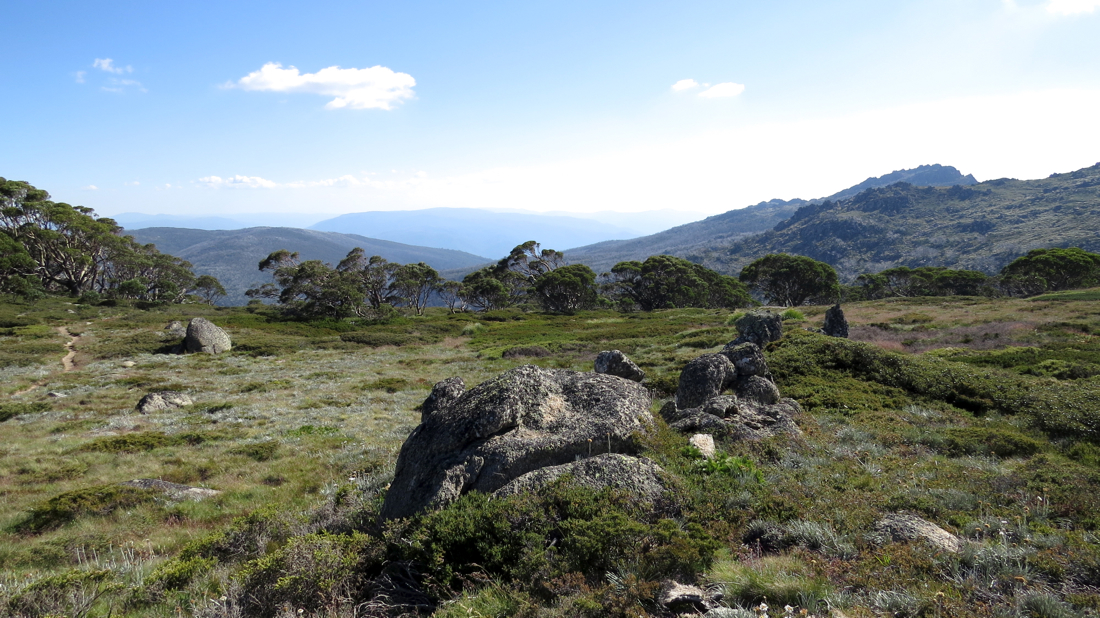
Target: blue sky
[223, 108]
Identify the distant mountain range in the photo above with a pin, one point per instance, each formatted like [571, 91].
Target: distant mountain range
[478, 231]
[233, 256]
[979, 227]
[708, 235]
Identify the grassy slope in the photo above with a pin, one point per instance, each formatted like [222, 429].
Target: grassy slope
[295, 411]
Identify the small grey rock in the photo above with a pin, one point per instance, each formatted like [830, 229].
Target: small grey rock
[759, 326]
[128, 364]
[56, 394]
[901, 527]
[757, 390]
[681, 598]
[162, 400]
[835, 324]
[614, 362]
[175, 329]
[203, 336]
[443, 394]
[702, 378]
[174, 491]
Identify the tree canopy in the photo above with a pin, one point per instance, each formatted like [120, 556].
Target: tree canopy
[665, 282]
[1050, 270]
[792, 280]
[923, 281]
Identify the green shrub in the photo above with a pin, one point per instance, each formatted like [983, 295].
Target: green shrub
[12, 409]
[311, 572]
[258, 451]
[390, 385]
[177, 573]
[792, 314]
[71, 593]
[379, 339]
[525, 351]
[138, 442]
[66, 507]
[987, 441]
[246, 538]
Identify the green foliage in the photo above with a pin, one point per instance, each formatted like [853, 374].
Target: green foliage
[99, 501]
[177, 573]
[377, 340]
[1053, 408]
[143, 441]
[12, 409]
[665, 282]
[792, 314]
[792, 280]
[736, 466]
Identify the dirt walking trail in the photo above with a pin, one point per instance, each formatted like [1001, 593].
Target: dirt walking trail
[67, 363]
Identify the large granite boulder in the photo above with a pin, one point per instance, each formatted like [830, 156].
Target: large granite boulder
[443, 394]
[703, 378]
[204, 336]
[835, 324]
[759, 326]
[638, 476]
[614, 362]
[162, 400]
[520, 421]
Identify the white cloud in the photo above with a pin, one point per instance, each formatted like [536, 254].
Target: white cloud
[377, 87]
[684, 84]
[106, 64]
[725, 89]
[246, 182]
[80, 76]
[120, 85]
[90, 188]
[1072, 7]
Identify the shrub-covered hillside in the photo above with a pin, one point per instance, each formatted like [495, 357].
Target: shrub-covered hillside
[978, 415]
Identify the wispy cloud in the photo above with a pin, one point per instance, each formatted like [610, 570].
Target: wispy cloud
[90, 188]
[376, 87]
[684, 84]
[725, 89]
[115, 84]
[80, 76]
[347, 180]
[1072, 7]
[106, 64]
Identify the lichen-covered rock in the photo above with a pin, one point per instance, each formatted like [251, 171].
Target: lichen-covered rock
[204, 336]
[636, 475]
[900, 527]
[522, 420]
[615, 363]
[747, 358]
[175, 491]
[680, 598]
[835, 324]
[443, 394]
[703, 378]
[759, 326]
[162, 400]
[733, 419]
[757, 390]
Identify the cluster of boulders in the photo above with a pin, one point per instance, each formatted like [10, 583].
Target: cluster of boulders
[529, 426]
[754, 409]
[200, 335]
